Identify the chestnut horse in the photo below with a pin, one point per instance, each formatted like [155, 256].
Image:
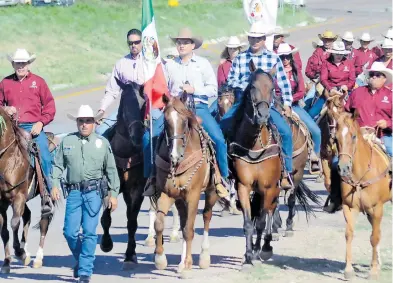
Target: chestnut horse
[365, 184]
[185, 168]
[19, 183]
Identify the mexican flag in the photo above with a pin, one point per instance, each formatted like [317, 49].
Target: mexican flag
[155, 82]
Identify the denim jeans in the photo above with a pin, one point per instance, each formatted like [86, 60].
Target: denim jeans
[107, 123]
[46, 157]
[316, 109]
[387, 141]
[311, 125]
[82, 210]
[309, 97]
[208, 123]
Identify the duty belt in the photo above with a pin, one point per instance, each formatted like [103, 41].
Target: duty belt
[85, 186]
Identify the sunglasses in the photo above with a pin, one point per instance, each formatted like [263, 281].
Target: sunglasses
[134, 42]
[285, 57]
[85, 120]
[376, 74]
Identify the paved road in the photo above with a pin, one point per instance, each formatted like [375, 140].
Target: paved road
[315, 253]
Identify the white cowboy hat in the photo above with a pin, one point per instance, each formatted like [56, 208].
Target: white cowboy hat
[186, 33]
[85, 111]
[389, 34]
[380, 67]
[387, 43]
[348, 36]
[317, 44]
[366, 37]
[285, 49]
[21, 56]
[280, 31]
[338, 47]
[234, 42]
[258, 29]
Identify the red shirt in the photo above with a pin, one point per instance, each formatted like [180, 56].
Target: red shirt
[363, 56]
[31, 97]
[296, 58]
[377, 50]
[314, 63]
[222, 72]
[371, 107]
[351, 56]
[295, 82]
[336, 76]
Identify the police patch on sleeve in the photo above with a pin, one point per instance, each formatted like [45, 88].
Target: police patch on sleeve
[98, 143]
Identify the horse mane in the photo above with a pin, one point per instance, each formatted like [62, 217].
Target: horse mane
[18, 134]
[179, 106]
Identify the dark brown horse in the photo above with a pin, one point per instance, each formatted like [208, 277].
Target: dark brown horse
[126, 142]
[19, 183]
[185, 168]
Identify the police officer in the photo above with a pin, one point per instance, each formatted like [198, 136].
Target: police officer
[89, 161]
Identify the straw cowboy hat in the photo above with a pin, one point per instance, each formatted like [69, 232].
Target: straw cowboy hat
[85, 111]
[328, 34]
[348, 36]
[280, 31]
[387, 43]
[186, 33]
[366, 37]
[317, 44]
[285, 49]
[258, 29]
[380, 67]
[233, 42]
[338, 47]
[21, 56]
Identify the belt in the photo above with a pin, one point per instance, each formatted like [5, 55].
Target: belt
[85, 186]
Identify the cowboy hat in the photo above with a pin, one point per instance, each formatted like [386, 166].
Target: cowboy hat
[85, 111]
[380, 67]
[258, 29]
[234, 42]
[285, 49]
[389, 34]
[186, 33]
[338, 47]
[348, 36]
[280, 31]
[328, 34]
[387, 43]
[317, 44]
[366, 37]
[21, 56]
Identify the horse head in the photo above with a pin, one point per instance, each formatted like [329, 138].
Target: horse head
[335, 107]
[129, 117]
[226, 99]
[259, 95]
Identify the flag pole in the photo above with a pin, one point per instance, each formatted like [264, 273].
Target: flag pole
[151, 132]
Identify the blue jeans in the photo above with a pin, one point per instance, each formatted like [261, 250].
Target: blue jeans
[82, 210]
[107, 123]
[312, 127]
[316, 109]
[387, 141]
[46, 157]
[211, 127]
[309, 97]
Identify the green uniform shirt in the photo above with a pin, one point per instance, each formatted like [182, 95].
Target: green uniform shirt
[85, 158]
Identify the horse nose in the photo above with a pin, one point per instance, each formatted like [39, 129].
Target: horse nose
[344, 169]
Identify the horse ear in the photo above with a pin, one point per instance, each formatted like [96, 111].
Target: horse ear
[183, 97]
[165, 99]
[273, 71]
[251, 66]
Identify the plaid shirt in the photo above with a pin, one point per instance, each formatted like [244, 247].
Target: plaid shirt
[240, 72]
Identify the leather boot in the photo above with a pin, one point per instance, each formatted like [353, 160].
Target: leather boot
[287, 182]
[150, 188]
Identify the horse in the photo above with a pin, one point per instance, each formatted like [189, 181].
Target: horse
[126, 142]
[20, 181]
[186, 167]
[365, 184]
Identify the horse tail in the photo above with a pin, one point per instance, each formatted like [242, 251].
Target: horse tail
[303, 194]
[255, 206]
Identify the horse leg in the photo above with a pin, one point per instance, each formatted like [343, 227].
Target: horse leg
[267, 249]
[23, 253]
[244, 197]
[106, 244]
[204, 257]
[350, 215]
[375, 221]
[44, 225]
[18, 208]
[150, 236]
[291, 214]
[5, 236]
[326, 174]
[181, 207]
[175, 237]
[277, 223]
[260, 226]
[164, 203]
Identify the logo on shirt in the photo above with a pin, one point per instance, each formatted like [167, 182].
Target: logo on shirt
[371, 55]
[98, 143]
[385, 99]
[150, 48]
[33, 84]
[346, 69]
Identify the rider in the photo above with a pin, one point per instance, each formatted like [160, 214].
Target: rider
[238, 80]
[348, 40]
[27, 98]
[337, 75]
[127, 69]
[279, 35]
[386, 58]
[194, 75]
[364, 56]
[295, 76]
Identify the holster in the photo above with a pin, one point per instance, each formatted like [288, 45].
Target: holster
[100, 185]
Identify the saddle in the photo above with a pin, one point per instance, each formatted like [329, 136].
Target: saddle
[370, 136]
[26, 138]
[303, 128]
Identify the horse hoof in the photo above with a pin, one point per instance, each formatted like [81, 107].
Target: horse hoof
[174, 238]
[27, 260]
[204, 260]
[37, 263]
[275, 236]
[224, 213]
[106, 243]
[349, 274]
[186, 274]
[5, 269]
[266, 255]
[289, 233]
[150, 242]
[160, 261]
[246, 267]
[129, 265]
[373, 276]
[180, 268]
[319, 179]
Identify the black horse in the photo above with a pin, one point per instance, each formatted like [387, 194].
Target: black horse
[126, 141]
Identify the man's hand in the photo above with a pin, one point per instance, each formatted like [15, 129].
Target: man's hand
[344, 88]
[188, 88]
[112, 205]
[37, 128]
[334, 92]
[55, 194]
[383, 124]
[102, 113]
[287, 111]
[11, 110]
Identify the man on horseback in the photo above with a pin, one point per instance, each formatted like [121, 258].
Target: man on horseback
[27, 98]
[194, 75]
[279, 35]
[238, 80]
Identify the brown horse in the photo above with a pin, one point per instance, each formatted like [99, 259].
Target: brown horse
[365, 184]
[126, 142]
[185, 168]
[19, 183]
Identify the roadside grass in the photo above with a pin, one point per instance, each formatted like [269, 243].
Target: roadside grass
[79, 45]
